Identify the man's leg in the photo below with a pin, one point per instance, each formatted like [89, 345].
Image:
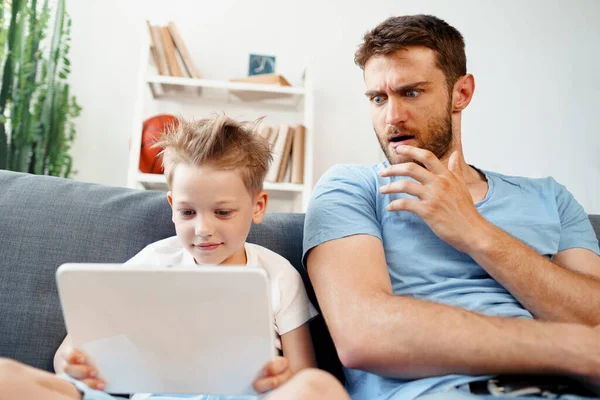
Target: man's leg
[463, 395]
[310, 384]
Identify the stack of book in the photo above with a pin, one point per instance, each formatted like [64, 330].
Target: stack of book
[287, 145]
[169, 52]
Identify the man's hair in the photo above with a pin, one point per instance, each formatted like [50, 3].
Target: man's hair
[397, 33]
[219, 142]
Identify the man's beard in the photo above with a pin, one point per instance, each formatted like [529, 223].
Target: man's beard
[437, 139]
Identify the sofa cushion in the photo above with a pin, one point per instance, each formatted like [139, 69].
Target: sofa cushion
[595, 220]
[48, 221]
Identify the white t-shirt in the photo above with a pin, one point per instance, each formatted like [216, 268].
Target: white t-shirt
[291, 307]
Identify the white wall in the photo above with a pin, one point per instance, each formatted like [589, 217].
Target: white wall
[536, 110]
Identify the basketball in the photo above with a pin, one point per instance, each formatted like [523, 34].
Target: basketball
[152, 129]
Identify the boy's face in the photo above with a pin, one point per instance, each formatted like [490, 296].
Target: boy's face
[213, 212]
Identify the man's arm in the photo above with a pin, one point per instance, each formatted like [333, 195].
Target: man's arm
[566, 289]
[403, 337]
[566, 293]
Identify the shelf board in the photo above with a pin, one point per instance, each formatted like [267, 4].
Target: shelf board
[243, 90]
[159, 182]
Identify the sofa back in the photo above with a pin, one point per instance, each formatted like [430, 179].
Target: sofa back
[47, 221]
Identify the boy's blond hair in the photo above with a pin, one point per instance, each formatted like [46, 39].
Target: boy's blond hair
[220, 142]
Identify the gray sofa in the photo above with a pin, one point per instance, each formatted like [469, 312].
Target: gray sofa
[46, 221]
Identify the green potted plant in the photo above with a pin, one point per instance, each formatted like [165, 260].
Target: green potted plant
[36, 106]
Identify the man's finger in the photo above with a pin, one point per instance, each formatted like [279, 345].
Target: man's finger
[406, 204]
[425, 157]
[405, 186]
[454, 165]
[409, 169]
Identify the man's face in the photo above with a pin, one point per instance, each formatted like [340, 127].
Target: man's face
[410, 103]
[212, 213]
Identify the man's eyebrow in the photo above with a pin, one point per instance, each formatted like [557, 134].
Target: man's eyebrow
[403, 88]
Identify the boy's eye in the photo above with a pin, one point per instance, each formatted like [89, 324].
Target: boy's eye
[187, 213]
[223, 213]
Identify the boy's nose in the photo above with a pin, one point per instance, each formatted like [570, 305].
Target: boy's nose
[203, 230]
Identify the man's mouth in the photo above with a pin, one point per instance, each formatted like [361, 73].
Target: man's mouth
[398, 139]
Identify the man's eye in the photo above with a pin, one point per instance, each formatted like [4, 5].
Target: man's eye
[377, 99]
[412, 93]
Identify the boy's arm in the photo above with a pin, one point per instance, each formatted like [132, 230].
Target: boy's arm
[298, 348]
[298, 354]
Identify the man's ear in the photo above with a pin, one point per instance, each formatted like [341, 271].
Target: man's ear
[463, 92]
[260, 207]
[170, 198]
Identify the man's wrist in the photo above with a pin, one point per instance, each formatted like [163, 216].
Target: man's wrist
[483, 239]
[578, 344]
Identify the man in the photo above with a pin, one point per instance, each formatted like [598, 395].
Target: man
[434, 276]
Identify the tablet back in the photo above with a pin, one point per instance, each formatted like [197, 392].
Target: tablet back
[204, 330]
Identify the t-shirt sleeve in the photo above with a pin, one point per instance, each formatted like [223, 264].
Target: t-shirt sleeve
[295, 309]
[576, 229]
[343, 204]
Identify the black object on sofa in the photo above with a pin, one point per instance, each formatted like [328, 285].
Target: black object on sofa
[47, 221]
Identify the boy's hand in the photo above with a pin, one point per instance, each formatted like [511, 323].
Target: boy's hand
[273, 375]
[75, 364]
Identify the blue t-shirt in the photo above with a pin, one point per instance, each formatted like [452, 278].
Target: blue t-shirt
[539, 212]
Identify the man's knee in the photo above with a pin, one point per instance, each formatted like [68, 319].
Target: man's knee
[317, 384]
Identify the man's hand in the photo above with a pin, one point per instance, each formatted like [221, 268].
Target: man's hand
[444, 201]
[75, 364]
[588, 345]
[273, 375]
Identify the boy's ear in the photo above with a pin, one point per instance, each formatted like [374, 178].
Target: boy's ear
[260, 207]
[170, 198]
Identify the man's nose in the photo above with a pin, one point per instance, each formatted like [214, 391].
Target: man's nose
[396, 112]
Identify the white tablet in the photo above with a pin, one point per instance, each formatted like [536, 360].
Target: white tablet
[204, 330]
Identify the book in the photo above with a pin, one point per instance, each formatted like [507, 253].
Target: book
[298, 154]
[265, 131]
[273, 132]
[152, 46]
[279, 145]
[285, 155]
[188, 64]
[157, 49]
[288, 172]
[169, 49]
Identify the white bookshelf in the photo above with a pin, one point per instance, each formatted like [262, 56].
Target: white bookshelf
[223, 96]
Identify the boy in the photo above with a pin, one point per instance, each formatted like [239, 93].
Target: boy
[215, 170]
